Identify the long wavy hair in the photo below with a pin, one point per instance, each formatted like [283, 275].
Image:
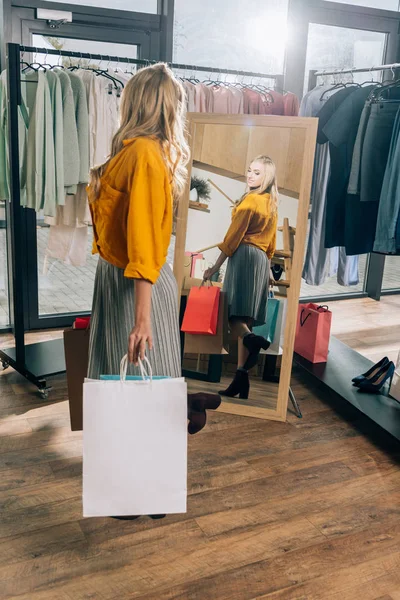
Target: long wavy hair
[152, 105]
[269, 183]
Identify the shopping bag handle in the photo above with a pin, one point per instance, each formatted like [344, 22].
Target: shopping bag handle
[145, 374]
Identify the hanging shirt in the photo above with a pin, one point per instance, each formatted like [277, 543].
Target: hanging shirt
[23, 122]
[40, 163]
[190, 90]
[236, 101]
[251, 102]
[58, 133]
[82, 126]
[271, 108]
[334, 224]
[132, 218]
[71, 145]
[253, 223]
[291, 105]
[221, 99]
[343, 215]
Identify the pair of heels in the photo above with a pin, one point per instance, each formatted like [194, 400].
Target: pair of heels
[240, 385]
[197, 406]
[375, 378]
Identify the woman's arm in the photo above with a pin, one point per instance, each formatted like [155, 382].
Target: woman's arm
[210, 272]
[141, 333]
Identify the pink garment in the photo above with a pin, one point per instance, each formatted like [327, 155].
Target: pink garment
[271, 108]
[251, 102]
[221, 99]
[236, 101]
[190, 90]
[68, 244]
[200, 98]
[291, 105]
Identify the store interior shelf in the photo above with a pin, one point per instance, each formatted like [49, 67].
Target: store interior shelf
[343, 364]
[199, 206]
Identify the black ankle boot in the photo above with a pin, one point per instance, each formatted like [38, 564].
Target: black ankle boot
[254, 343]
[240, 385]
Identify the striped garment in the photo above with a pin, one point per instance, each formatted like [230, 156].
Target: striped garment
[113, 318]
[246, 283]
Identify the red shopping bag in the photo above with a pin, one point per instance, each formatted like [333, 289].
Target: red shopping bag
[313, 331]
[201, 314]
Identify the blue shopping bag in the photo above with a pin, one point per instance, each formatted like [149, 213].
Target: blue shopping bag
[268, 329]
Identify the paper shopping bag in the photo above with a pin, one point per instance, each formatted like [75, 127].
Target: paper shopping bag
[201, 314]
[313, 331]
[268, 329]
[211, 344]
[76, 347]
[395, 387]
[134, 447]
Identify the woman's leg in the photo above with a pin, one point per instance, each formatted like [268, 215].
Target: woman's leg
[241, 327]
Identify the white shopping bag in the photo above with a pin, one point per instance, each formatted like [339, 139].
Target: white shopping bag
[134, 446]
[395, 387]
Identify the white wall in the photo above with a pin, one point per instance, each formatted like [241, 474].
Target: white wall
[205, 229]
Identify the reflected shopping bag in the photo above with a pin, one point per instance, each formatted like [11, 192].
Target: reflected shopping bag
[134, 446]
[268, 329]
[211, 344]
[313, 331]
[201, 314]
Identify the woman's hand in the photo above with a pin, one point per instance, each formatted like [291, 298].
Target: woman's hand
[209, 273]
[140, 337]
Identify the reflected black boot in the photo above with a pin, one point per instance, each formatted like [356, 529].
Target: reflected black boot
[254, 343]
[240, 385]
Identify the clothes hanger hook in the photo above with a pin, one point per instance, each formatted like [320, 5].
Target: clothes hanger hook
[393, 73]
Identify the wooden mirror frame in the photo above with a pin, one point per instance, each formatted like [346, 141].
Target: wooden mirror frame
[290, 141]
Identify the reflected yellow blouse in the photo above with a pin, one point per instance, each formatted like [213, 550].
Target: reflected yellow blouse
[253, 223]
[132, 218]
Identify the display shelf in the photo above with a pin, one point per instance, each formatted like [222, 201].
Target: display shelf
[337, 373]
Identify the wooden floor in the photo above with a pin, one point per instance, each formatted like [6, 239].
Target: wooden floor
[306, 510]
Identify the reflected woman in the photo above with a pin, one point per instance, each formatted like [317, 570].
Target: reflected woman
[249, 244]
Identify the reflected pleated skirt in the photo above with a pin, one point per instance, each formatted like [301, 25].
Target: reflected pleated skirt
[246, 284]
[113, 317]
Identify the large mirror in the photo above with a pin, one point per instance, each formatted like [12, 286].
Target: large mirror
[222, 148]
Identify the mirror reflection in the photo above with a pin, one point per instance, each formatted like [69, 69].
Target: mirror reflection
[240, 237]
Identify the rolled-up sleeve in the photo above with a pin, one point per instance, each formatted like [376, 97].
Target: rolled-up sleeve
[147, 221]
[236, 231]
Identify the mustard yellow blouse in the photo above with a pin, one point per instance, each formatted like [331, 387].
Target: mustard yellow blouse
[253, 223]
[132, 218]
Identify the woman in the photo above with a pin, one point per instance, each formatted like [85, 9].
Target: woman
[131, 201]
[249, 244]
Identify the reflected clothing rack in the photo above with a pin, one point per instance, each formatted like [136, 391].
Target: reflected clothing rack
[38, 361]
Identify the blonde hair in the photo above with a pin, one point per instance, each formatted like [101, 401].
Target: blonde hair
[152, 105]
[269, 184]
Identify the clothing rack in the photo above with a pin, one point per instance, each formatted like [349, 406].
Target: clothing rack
[38, 361]
[142, 62]
[344, 363]
[314, 74]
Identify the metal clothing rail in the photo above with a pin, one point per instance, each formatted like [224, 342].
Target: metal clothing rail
[38, 361]
[391, 67]
[138, 61]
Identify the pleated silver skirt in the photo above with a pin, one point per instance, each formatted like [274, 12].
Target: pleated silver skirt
[113, 317]
[246, 284]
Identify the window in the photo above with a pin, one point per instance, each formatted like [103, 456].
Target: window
[230, 34]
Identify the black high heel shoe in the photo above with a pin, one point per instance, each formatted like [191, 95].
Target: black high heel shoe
[254, 343]
[374, 385]
[371, 372]
[239, 386]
